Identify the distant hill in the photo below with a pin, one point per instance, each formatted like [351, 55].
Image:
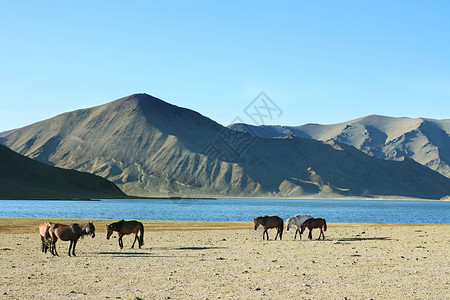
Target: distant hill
[151, 148]
[427, 141]
[24, 178]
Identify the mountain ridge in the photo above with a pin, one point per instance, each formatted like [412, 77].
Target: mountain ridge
[425, 140]
[152, 148]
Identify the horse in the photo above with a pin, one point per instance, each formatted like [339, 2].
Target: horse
[297, 220]
[269, 222]
[314, 223]
[126, 227]
[46, 243]
[70, 233]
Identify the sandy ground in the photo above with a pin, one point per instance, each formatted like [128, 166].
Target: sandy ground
[201, 260]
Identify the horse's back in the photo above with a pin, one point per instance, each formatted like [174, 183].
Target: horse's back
[315, 222]
[62, 231]
[128, 227]
[275, 221]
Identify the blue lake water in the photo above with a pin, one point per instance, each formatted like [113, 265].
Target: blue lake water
[335, 211]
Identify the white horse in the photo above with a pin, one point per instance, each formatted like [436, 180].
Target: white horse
[297, 220]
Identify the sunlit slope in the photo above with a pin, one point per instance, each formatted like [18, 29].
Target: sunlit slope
[151, 148]
[427, 141]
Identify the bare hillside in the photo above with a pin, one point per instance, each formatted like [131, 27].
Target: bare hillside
[427, 141]
[151, 148]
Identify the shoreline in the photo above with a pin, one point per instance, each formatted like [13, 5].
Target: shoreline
[31, 225]
[313, 197]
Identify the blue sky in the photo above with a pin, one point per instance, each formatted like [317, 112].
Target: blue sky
[323, 61]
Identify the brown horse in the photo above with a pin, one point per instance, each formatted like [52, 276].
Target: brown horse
[47, 243]
[314, 223]
[126, 227]
[70, 233]
[269, 222]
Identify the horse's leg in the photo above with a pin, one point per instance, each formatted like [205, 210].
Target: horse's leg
[73, 249]
[70, 246]
[120, 241]
[135, 239]
[310, 234]
[265, 232]
[52, 248]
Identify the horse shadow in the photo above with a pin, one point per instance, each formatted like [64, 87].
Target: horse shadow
[151, 254]
[360, 238]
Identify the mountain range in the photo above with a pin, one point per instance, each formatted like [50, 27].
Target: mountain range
[24, 178]
[148, 147]
[427, 141]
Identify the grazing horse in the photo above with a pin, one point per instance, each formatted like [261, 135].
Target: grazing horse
[127, 227]
[269, 222]
[70, 233]
[47, 243]
[314, 223]
[297, 220]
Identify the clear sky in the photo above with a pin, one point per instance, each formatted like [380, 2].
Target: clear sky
[318, 61]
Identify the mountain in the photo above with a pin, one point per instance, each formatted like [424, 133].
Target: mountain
[24, 178]
[427, 141]
[151, 148]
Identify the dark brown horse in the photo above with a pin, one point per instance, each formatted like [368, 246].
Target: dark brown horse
[269, 222]
[314, 223]
[70, 233]
[47, 243]
[127, 227]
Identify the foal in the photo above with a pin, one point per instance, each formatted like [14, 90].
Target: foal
[314, 223]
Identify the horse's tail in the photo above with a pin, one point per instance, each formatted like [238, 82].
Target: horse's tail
[280, 228]
[141, 238]
[48, 234]
[324, 225]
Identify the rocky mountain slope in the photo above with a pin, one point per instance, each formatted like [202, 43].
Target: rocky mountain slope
[24, 178]
[151, 148]
[427, 141]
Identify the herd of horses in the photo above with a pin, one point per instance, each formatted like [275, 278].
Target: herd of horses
[300, 221]
[52, 232]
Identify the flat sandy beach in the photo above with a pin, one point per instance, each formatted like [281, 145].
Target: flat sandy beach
[212, 260]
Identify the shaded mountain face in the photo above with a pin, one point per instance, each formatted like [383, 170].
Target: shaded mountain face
[151, 148]
[24, 178]
[427, 141]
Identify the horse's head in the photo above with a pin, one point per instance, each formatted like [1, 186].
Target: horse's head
[90, 229]
[109, 231]
[256, 222]
[302, 228]
[288, 223]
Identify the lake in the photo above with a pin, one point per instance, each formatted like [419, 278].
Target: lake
[334, 211]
